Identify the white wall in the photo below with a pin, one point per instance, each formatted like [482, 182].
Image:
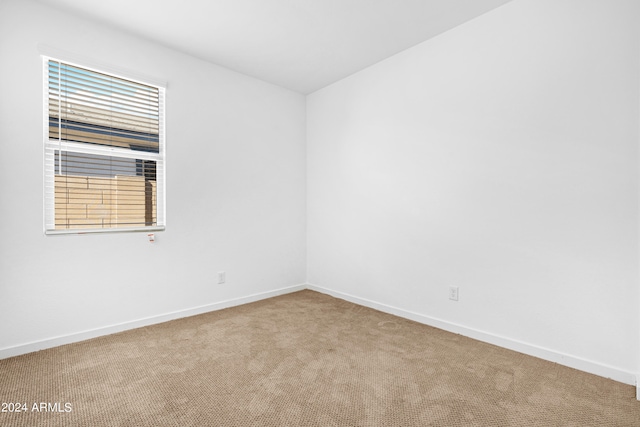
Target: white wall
[235, 191]
[500, 157]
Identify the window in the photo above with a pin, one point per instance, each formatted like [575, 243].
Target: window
[103, 152]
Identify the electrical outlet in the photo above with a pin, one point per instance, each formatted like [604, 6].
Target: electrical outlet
[453, 293]
[222, 277]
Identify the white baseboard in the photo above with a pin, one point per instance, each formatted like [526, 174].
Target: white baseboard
[505, 342]
[107, 330]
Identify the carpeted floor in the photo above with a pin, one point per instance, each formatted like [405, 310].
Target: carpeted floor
[303, 359]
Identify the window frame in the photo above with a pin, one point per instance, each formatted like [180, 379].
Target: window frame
[51, 146]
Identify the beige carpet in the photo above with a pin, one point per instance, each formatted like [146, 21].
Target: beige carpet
[303, 359]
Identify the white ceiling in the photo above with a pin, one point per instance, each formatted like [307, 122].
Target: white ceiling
[302, 45]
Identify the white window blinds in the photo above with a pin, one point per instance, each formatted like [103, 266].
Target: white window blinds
[104, 152]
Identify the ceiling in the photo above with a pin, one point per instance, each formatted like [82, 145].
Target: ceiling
[302, 45]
